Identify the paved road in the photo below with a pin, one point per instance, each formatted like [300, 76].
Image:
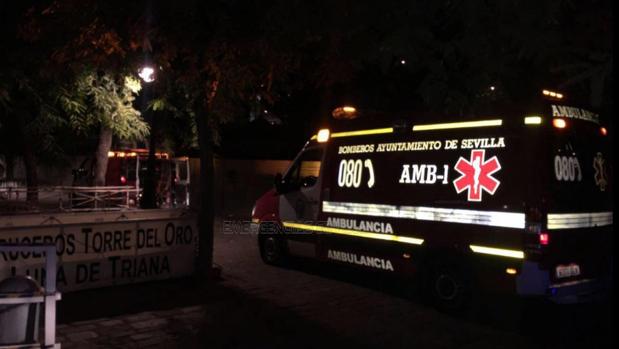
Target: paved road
[374, 311]
[308, 305]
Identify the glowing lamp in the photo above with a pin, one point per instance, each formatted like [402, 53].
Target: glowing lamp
[345, 112]
[147, 74]
[559, 123]
[323, 135]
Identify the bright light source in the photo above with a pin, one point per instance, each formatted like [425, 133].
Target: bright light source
[363, 132]
[345, 112]
[147, 74]
[544, 239]
[603, 131]
[552, 94]
[323, 135]
[559, 123]
[464, 124]
[511, 271]
[532, 120]
[497, 251]
[491, 88]
[123, 180]
[110, 154]
[403, 62]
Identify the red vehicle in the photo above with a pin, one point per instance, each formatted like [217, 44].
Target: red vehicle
[518, 204]
[127, 168]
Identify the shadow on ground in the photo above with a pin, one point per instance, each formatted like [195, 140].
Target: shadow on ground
[587, 325]
[232, 319]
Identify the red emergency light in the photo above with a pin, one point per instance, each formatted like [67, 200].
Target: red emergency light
[544, 239]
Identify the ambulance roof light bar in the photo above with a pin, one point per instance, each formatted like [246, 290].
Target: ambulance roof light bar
[552, 94]
[345, 112]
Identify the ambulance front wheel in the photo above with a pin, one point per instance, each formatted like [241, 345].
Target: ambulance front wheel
[272, 245]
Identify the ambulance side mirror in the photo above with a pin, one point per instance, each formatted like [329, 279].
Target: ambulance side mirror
[277, 182]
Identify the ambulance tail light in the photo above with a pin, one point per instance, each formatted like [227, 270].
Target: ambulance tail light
[559, 123]
[544, 239]
[603, 131]
[323, 135]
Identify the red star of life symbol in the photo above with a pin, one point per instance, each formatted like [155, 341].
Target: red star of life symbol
[476, 175]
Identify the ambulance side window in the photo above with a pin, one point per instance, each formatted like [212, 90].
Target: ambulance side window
[305, 171]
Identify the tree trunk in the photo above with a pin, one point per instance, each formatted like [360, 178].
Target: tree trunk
[32, 178]
[30, 161]
[104, 146]
[206, 214]
[149, 192]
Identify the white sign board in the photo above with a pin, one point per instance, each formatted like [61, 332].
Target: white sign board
[99, 251]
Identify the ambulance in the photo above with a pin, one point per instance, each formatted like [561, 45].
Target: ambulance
[519, 203]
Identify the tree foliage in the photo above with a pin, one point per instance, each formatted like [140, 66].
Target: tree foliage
[94, 100]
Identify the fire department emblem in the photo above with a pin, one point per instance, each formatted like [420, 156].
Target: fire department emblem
[476, 175]
[599, 165]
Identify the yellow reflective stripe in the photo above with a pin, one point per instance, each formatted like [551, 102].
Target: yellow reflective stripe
[362, 234]
[314, 137]
[497, 251]
[464, 124]
[362, 132]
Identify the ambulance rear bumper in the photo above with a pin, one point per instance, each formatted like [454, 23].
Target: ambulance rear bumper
[533, 281]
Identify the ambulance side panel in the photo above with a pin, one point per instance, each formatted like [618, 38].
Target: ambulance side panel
[423, 186]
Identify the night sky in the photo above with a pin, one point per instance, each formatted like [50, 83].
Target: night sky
[284, 65]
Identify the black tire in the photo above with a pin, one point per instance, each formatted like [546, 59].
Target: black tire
[450, 285]
[273, 248]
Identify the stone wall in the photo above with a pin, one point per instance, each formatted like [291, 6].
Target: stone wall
[238, 184]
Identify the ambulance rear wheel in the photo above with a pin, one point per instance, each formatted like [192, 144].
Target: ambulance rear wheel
[272, 246]
[449, 286]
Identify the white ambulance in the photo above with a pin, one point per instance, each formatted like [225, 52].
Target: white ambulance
[519, 203]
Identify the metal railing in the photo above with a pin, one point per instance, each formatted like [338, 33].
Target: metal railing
[47, 296]
[68, 198]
